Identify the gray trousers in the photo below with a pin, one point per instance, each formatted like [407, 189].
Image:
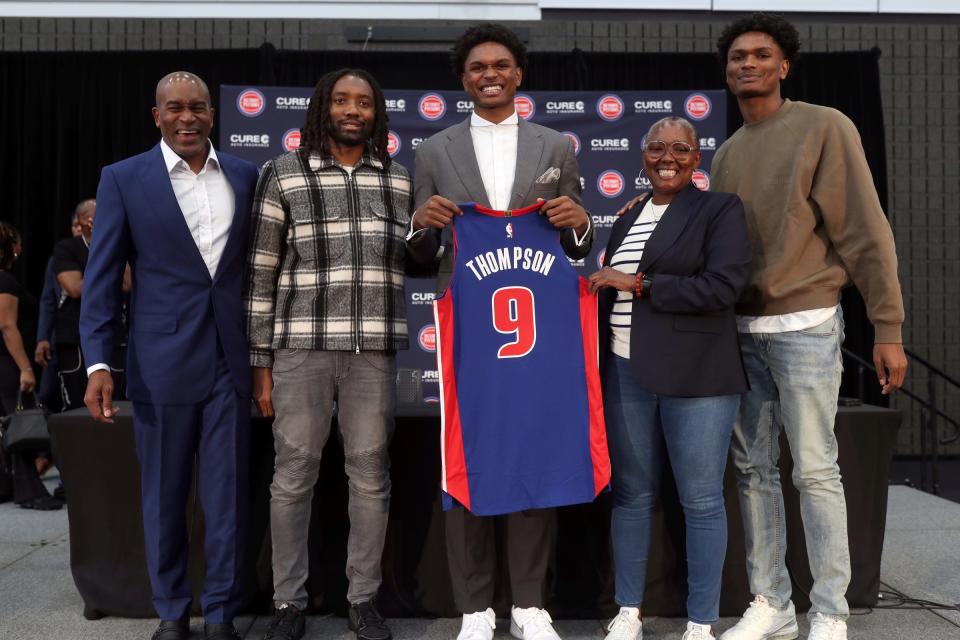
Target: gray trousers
[306, 384]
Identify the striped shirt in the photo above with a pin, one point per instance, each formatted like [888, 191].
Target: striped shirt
[327, 256]
[626, 259]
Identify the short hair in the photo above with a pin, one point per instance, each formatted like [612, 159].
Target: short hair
[775, 26]
[81, 207]
[486, 32]
[9, 237]
[315, 135]
[683, 122]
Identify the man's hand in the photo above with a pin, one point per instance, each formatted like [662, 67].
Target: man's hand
[263, 390]
[564, 213]
[435, 213]
[891, 364]
[43, 353]
[610, 277]
[99, 396]
[630, 205]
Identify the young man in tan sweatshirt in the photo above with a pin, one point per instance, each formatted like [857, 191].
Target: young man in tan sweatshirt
[816, 224]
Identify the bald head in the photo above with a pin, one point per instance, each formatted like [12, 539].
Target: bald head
[179, 79]
[184, 116]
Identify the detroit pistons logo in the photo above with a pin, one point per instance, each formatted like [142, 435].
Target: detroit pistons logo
[251, 103]
[610, 107]
[701, 180]
[697, 106]
[600, 256]
[432, 106]
[610, 183]
[393, 143]
[291, 140]
[575, 139]
[525, 106]
[427, 338]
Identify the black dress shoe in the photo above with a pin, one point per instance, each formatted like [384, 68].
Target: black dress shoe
[288, 624]
[223, 631]
[172, 630]
[367, 622]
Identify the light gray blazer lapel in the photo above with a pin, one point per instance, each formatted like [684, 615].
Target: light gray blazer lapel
[529, 151]
[464, 160]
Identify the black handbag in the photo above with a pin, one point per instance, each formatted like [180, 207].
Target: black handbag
[26, 429]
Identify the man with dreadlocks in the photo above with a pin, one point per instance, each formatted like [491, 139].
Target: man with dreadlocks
[325, 316]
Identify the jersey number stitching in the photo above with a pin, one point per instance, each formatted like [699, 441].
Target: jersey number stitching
[514, 313]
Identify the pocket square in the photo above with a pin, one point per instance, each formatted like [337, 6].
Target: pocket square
[549, 176]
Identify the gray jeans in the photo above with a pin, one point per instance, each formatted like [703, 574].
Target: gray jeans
[306, 384]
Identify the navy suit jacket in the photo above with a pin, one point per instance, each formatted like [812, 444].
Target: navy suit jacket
[178, 313]
[683, 336]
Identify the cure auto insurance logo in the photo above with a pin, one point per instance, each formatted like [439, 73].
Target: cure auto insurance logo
[432, 106]
[251, 103]
[610, 107]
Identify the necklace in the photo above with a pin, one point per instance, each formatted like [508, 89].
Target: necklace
[658, 210]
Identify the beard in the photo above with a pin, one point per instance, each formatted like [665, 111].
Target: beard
[351, 138]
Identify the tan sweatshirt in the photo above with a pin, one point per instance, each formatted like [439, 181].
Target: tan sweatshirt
[814, 216]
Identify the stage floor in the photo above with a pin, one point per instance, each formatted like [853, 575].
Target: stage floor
[38, 600]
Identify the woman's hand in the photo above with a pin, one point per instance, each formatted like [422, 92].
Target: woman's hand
[28, 381]
[610, 277]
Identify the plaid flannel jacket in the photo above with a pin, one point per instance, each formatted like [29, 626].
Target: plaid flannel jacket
[326, 257]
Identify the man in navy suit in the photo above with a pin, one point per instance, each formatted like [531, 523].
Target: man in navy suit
[179, 214]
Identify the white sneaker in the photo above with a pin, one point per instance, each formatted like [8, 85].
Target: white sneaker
[531, 624]
[697, 632]
[826, 628]
[478, 626]
[626, 626]
[761, 621]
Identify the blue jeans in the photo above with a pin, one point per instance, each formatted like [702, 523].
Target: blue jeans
[794, 383]
[696, 435]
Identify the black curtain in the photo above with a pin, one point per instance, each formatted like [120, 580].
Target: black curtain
[66, 114]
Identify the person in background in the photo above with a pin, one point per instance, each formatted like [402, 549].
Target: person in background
[672, 372]
[69, 262]
[18, 322]
[45, 355]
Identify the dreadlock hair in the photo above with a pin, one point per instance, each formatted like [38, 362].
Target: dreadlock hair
[486, 32]
[775, 26]
[9, 237]
[316, 133]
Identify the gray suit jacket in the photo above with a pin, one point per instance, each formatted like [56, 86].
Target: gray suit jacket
[446, 165]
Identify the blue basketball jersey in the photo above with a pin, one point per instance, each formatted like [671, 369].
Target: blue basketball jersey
[521, 407]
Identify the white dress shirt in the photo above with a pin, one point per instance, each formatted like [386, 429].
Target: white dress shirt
[207, 202]
[495, 146]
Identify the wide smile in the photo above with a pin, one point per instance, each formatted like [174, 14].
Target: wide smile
[666, 174]
[491, 90]
[188, 134]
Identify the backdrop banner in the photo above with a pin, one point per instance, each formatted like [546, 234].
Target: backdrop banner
[606, 128]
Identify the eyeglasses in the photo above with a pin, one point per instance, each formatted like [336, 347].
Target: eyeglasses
[680, 150]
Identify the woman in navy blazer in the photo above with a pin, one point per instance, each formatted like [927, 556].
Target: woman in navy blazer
[672, 372]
